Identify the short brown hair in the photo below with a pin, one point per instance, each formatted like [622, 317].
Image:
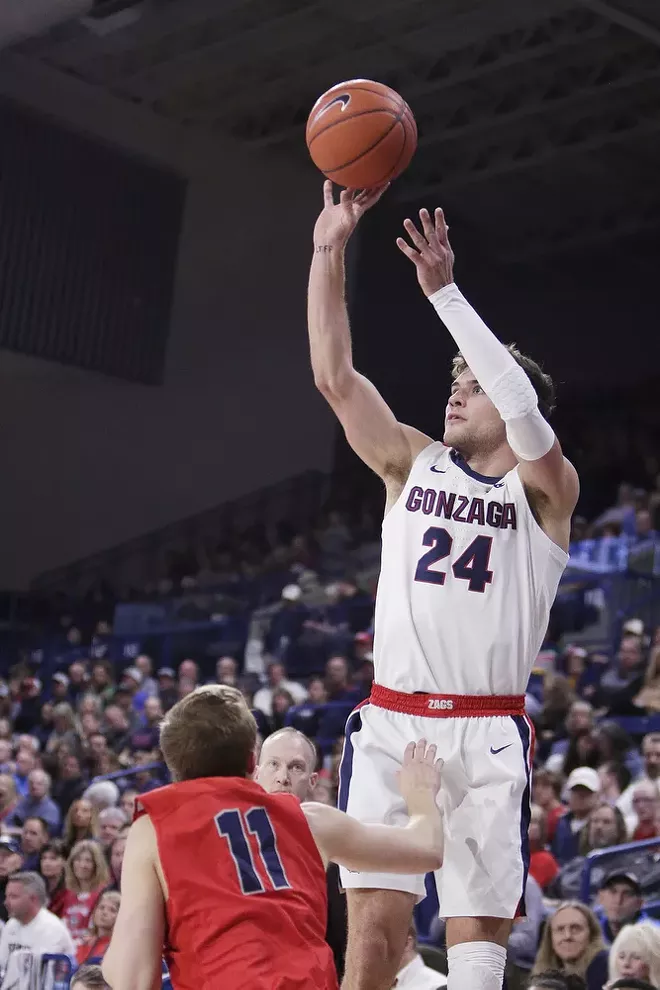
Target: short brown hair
[209, 733]
[89, 978]
[543, 384]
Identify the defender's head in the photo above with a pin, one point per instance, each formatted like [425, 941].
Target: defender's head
[472, 423]
[209, 733]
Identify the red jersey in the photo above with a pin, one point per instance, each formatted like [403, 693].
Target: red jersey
[247, 897]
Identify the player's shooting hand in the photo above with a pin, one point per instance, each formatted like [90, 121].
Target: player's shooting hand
[431, 255]
[337, 221]
[420, 776]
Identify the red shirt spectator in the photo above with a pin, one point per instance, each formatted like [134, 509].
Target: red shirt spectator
[97, 939]
[86, 875]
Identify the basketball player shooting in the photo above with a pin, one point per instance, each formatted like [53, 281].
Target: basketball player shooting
[474, 542]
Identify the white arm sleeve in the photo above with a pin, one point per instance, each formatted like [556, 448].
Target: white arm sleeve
[503, 380]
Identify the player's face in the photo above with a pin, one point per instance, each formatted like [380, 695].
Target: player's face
[472, 423]
[285, 767]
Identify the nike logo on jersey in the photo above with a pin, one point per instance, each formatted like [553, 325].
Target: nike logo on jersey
[500, 484]
[500, 750]
[438, 470]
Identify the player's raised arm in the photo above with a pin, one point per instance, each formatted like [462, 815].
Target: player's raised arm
[414, 848]
[542, 466]
[371, 428]
[134, 959]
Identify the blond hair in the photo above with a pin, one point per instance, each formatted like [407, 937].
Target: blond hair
[547, 958]
[644, 940]
[101, 875]
[70, 831]
[109, 895]
[209, 733]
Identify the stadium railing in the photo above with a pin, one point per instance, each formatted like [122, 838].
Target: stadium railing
[640, 858]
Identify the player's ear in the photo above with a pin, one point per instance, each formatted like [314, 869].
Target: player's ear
[313, 778]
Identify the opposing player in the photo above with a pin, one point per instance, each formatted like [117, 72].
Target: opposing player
[474, 542]
[230, 880]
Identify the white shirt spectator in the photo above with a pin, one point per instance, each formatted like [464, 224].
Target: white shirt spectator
[263, 699]
[44, 934]
[416, 976]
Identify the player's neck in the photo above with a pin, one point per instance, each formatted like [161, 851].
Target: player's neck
[491, 464]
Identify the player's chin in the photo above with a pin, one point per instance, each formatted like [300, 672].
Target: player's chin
[454, 433]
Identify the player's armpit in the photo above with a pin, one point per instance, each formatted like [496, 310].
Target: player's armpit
[415, 848]
[134, 959]
[554, 478]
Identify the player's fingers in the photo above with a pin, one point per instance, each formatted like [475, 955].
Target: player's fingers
[441, 228]
[409, 753]
[420, 750]
[407, 250]
[439, 763]
[345, 196]
[427, 225]
[431, 753]
[328, 198]
[418, 239]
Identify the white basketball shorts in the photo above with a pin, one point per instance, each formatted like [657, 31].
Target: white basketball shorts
[485, 794]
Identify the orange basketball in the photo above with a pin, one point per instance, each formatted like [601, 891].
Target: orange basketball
[361, 133]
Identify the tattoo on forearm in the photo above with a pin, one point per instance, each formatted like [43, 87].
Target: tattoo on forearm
[323, 248]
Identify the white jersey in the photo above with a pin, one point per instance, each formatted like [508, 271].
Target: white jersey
[466, 583]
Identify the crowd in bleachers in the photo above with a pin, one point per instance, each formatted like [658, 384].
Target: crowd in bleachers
[77, 704]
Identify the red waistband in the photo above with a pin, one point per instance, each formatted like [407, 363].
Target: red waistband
[447, 705]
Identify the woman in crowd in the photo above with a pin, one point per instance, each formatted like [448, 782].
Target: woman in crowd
[97, 939]
[81, 822]
[605, 827]
[8, 799]
[86, 876]
[635, 953]
[127, 803]
[117, 861]
[546, 789]
[52, 863]
[572, 942]
[65, 728]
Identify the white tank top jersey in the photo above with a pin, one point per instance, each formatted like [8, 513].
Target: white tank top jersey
[466, 583]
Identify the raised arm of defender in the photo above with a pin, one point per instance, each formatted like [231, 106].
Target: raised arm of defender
[385, 445]
[414, 848]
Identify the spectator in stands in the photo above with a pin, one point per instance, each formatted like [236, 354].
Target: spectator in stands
[542, 864]
[127, 803]
[70, 783]
[413, 974]
[147, 735]
[226, 671]
[6, 762]
[77, 680]
[651, 757]
[81, 822]
[38, 803]
[145, 665]
[281, 702]
[96, 939]
[583, 786]
[26, 762]
[616, 745]
[524, 938]
[189, 671]
[65, 729]
[572, 943]
[86, 875]
[34, 836]
[628, 983]
[277, 679]
[614, 778]
[338, 683]
[102, 794]
[645, 805]
[131, 682]
[619, 903]
[287, 765]
[51, 868]
[635, 953]
[8, 799]
[117, 850]
[624, 680]
[167, 690]
[649, 697]
[111, 822]
[31, 926]
[546, 790]
[579, 722]
[88, 978]
[11, 861]
[118, 727]
[604, 828]
[59, 688]
[102, 681]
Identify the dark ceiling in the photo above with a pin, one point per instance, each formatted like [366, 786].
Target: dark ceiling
[539, 120]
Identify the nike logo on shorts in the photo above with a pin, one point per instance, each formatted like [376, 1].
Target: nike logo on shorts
[500, 750]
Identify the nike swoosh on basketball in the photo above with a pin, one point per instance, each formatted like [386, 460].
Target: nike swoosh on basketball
[344, 99]
[500, 750]
[438, 470]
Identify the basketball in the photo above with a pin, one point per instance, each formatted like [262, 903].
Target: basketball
[361, 134]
